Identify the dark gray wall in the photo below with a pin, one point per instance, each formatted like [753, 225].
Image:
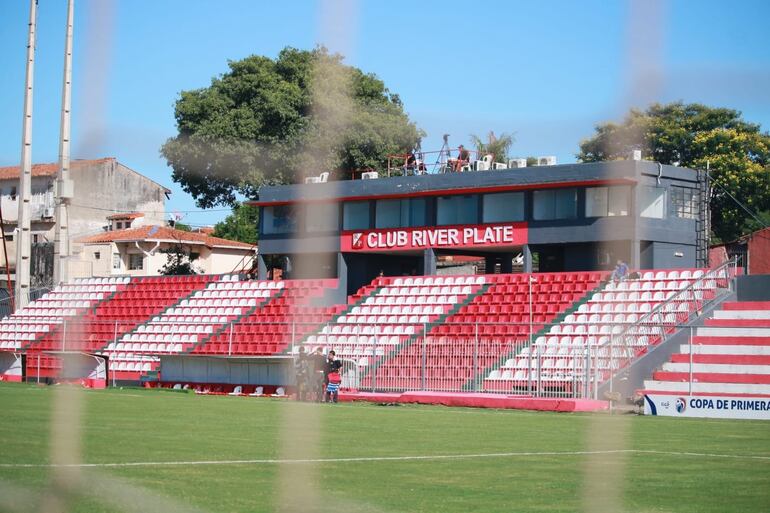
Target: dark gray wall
[565, 175]
[662, 255]
[754, 287]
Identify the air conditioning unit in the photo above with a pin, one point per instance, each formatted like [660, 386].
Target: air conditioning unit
[371, 175]
[546, 161]
[517, 163]
[49, 212]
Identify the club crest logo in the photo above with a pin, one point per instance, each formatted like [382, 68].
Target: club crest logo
[681, 405]
[358, 241]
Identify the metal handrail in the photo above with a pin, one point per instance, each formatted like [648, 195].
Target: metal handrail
[661, 309]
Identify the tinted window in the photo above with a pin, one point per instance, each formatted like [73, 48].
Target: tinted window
[356, 215]
[506, 206]
[322, 217]
[653, 202]
[457, 210]
[395, 213]
[279, 219]
[555, 204]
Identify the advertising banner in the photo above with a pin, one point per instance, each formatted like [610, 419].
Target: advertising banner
[406, 239]
[717, 407]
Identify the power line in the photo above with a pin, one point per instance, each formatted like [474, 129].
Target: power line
[744, 207]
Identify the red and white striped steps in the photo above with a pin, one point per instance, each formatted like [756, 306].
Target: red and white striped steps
[730, 355]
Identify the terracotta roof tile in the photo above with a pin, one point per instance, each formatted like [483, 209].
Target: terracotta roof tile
[126, 215]
[162, 233]
[11, 172]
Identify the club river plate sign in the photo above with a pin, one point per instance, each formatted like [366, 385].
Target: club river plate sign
[409, 239]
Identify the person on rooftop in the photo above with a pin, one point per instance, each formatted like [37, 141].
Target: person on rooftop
[463, 158]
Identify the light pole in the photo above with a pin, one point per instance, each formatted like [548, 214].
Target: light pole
[64, 188]
[24, 239]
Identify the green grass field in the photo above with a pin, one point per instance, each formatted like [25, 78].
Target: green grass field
[728, 468]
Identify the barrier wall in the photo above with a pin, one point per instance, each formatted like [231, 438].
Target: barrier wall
[277, 371]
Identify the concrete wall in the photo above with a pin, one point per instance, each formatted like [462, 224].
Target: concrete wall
[759, 252]
[753, 287]
[222, 260]
[41, 201]
[89, 265]
[108, 186]
[664, 255]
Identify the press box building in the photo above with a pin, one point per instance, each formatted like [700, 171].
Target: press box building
[560, 218]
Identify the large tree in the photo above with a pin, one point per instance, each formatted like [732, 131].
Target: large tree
[241, 225]
[696, 136]
[276, 121]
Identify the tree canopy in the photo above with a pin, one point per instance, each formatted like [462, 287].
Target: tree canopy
[241, 225]
[696, 136]
[275, 121]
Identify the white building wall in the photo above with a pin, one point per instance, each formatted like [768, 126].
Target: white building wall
[218, 261]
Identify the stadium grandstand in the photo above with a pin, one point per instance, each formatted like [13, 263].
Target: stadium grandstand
[359, 267]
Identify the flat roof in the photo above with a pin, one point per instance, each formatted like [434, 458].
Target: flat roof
[536, 177]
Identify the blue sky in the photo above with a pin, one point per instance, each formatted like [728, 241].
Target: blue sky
[545, 71]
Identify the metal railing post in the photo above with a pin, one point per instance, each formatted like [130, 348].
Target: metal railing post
[689, 389]
[476, 360]
[374, 356]
[612, 369]
[424, 362]
[423, 380]
[230, 340]
[38, 368]
[529, 369]
[587, 372]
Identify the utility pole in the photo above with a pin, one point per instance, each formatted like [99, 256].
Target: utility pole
[24, 239]
[64, 186]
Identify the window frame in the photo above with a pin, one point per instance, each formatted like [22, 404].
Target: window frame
[132, 259]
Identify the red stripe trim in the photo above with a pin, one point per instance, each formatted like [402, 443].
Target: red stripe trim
[453, 192]
[722, 359]
[713, 377]
[731, 341]
[700, 394]
[747, 305]
[739, 323]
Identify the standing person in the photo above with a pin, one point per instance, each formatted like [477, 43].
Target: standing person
[410, 163]
[302, 374]
[333, 380]
[319, 374]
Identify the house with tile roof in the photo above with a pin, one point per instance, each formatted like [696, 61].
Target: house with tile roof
[139, 251]
[101, 186]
